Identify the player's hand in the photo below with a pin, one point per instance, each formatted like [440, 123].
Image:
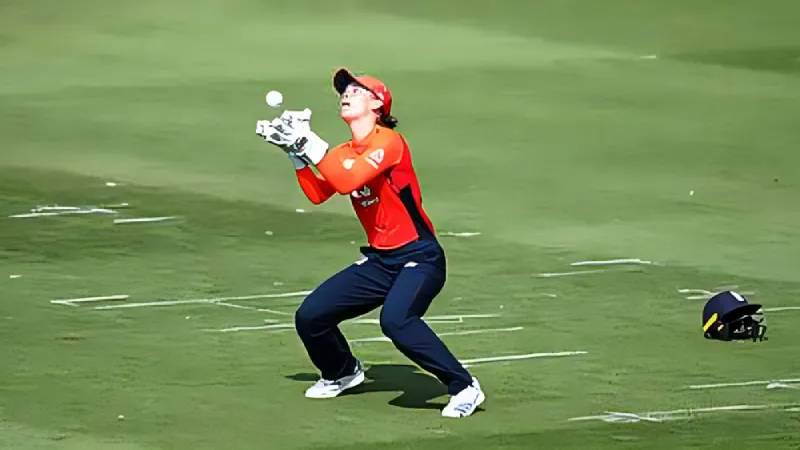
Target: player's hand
[310, 148]
[299, 121]
[292, 133]
[276, 133]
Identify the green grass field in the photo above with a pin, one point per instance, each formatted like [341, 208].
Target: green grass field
[562, 131]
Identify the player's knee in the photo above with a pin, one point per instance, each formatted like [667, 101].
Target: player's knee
[305, 316]
[392, 326]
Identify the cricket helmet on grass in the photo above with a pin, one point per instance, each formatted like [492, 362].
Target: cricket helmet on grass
[728, 316]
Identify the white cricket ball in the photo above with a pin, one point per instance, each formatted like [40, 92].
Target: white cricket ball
[120, 417]
[691, 192]
[274, 98]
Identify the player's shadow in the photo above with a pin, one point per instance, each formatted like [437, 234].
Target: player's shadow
[418, 389]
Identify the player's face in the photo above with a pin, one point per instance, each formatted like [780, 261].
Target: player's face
[356, 102]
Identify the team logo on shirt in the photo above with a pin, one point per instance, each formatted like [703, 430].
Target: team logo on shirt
[375, 158]
[363, 196]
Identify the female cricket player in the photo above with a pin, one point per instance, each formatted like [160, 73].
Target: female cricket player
[403, 268]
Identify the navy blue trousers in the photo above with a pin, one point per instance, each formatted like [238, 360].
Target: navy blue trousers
[404, 282]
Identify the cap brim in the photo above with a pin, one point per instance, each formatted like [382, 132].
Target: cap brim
[343, 78]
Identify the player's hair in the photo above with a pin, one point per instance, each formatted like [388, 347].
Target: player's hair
[388, 121]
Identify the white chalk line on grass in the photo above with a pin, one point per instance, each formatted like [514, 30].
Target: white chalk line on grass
[695, 291]
[575, 272]
[629, 417]
[159, 303]
[64, 212]
[470, 362]
[451, 333]
[272, 311]
[74, 301]
[606, 262]
[463, 316]
[613, 261]
[203, 300]
[782, 308]
[766, 383]
[233, 305]
[782, 386]
[458, 318]
[659, 416]
[143, 219]
[56, 208]
[257, 327]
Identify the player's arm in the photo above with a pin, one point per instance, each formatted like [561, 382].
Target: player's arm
[316, 188]
[347, 170]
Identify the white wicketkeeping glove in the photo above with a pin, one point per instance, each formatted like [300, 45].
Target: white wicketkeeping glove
[292, 133]
[276, 133]
[310, 147]
[299, 121]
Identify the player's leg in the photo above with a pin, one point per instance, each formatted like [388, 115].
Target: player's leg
[401, 320]
[350, 293]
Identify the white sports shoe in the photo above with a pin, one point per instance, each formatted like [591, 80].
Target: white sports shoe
[331, 388]
[465, 402]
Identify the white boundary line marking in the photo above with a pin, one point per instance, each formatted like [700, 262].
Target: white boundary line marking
[695, 291]
[462, 316]
[453, 333]
[576, 272]
[782, 308]
[258, 327]
[56, 208]
[204, 300]
[272, 311]
[782, 386]
[232, 305]
[143, 219]
[367, 321]
[161, 303]
[459, 234]
[457, 318]
[65, 303]
[61, 213]
[669, 415]
[468, 362]
[613, 261]
[629, 417]
[72, 301]
[740, 384]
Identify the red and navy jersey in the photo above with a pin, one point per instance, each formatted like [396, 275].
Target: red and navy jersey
[379, 177]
